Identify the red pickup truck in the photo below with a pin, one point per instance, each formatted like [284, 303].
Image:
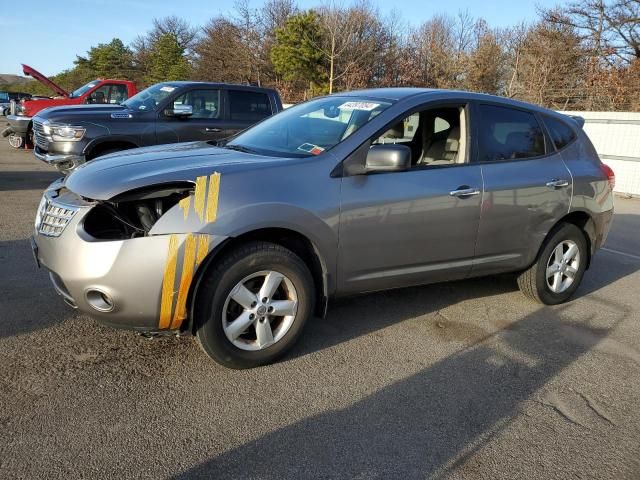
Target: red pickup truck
[98, 91]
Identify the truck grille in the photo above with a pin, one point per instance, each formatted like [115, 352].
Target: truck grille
[52, 218]
[39, 136]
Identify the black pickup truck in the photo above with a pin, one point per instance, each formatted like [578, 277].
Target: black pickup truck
[169, 112]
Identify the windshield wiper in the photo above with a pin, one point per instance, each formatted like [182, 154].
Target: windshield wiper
[239, 148]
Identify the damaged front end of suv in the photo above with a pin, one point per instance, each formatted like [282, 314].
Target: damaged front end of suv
[128, 259]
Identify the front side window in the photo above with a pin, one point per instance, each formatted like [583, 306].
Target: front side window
[436, 136]
[205, 103]
[248, 106]
[99, 95]
[505, 134]
[561, 134]
[310, 128]
[150, 98]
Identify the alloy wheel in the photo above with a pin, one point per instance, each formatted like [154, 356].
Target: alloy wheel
[259, 310]
[562, 266]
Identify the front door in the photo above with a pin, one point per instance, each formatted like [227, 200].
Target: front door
[206, 123]
[416, 226]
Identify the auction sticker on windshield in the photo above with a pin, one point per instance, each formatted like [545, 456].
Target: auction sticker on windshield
[311, 148]
[167, 89]
[368, 106]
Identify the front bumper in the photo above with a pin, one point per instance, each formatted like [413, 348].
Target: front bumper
[141, 279]
[19, 124]
[65, 162]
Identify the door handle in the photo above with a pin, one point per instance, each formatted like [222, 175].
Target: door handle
[557, 183]
[464, 191]
[212, 130]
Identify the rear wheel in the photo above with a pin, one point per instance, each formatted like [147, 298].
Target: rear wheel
[252, 306]
[559, 267]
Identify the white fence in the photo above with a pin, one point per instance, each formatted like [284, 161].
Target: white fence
[616, 136]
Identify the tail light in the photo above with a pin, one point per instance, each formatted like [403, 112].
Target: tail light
[611, 176]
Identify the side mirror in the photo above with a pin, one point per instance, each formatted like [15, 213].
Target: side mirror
[388, 158]
[179, 111]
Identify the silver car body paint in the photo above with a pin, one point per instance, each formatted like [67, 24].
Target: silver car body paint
[371, 232]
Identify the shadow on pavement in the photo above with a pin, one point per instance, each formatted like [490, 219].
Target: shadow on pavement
[28, 301]
[27, 180]
[426, 423]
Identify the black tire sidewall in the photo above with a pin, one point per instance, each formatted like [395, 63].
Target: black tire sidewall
[565, 232]
[212, 297]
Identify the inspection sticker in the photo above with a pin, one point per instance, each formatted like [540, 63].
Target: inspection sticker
[167, 89]
[311, 148]
[368, 106]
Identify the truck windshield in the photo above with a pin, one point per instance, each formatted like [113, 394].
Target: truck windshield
[83, 89]
[310, 128]
[149, 98]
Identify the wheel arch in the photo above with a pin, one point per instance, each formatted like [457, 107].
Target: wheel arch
[584, 222]
[290, 239]
[96, 149]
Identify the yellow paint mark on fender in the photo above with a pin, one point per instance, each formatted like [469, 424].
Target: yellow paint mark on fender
[199, 196]
[203, 248]
[185, 204]
[168, 280]
[188, 261]
[212, 197]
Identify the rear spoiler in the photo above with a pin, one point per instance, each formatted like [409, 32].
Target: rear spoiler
[579, 120]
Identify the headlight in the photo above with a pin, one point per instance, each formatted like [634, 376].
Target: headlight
[64, 133]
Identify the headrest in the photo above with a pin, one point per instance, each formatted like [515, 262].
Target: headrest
[397, 131]
[453, 140]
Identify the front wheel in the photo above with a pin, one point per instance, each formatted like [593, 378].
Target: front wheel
[559, 267]
[16, 141]
[252, 306]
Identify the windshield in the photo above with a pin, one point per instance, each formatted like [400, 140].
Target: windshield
[83, 89]
[4, 96]
[149, 98]
[309, 128]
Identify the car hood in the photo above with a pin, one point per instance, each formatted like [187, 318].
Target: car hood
[79, 112]
[32, 72]
[111, 175]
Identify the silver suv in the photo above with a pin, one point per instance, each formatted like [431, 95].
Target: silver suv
[241, 242]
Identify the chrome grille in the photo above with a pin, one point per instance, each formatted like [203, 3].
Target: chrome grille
[53, 218]
[39, 136]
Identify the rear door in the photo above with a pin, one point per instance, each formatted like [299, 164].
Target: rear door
[246, 108]
[206, 123]
[527, 187]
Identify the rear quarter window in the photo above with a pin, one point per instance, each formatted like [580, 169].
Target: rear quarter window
[506, 134]
[561, 133]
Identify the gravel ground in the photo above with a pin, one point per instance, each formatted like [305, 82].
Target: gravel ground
[459, 380]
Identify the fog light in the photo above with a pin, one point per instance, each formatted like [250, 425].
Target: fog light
[99, 300]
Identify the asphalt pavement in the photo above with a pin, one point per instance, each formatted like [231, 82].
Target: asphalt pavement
[458, 380]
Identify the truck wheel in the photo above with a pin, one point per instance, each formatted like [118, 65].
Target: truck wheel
[559, 267]
[252, 306]
[16, 141]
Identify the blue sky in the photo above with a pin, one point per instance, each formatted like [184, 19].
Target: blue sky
[49, 37]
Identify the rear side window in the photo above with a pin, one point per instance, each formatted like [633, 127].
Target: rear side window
[506, 134]
[561, 133]
[248, 106]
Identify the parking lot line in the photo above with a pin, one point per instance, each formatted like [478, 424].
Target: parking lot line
[618, 252]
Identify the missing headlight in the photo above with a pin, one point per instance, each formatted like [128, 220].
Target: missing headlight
[133, 214]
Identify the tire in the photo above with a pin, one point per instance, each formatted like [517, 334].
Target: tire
[216, 309]
[534, 282]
